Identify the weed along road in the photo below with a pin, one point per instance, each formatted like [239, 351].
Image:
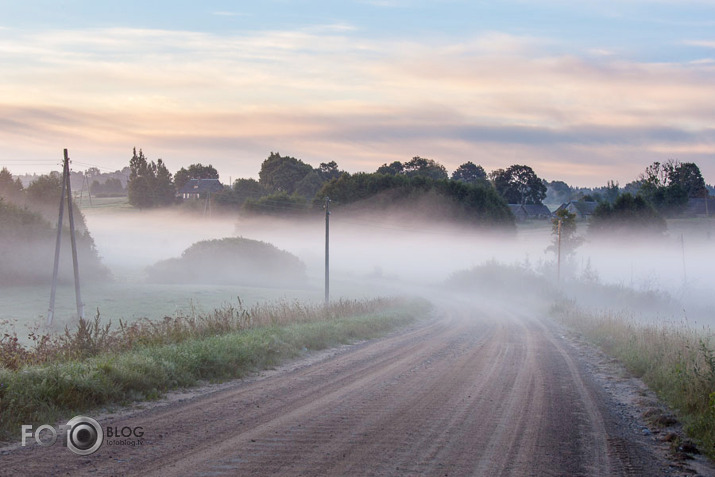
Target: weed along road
[466, 393]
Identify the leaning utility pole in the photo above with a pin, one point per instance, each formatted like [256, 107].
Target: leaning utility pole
[66, 190]
[327, 250]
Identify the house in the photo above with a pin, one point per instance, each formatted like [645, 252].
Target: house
[701, 207]
[582, 209]
[196, 188]
[529, 211]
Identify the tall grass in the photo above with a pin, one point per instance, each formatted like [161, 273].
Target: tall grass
[677, 362]
[92, 337]
[96, 365]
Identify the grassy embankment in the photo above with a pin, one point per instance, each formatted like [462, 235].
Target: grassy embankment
[96, 365]
[677, 362]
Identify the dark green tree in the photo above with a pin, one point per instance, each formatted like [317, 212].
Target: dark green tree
[469, 173]
[519, 185]
[668, 186]
[477, 204]
[195, 171]
[10, 189]
[419, 166]
[141, 181]
[392, 169]
[688, 176]
[279, 203]
[282, 173]
[570, 240]
[309, 185]
[150, 184]
[329, 171]
[242, 190]
[627, 214]
[164, 190]
[46, 189]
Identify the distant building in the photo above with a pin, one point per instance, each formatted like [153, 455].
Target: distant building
[195, 188]
[582, 209]
[530, 211]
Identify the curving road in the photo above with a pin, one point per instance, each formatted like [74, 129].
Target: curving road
[488, 393]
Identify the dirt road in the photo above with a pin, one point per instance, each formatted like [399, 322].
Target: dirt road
[465, 394]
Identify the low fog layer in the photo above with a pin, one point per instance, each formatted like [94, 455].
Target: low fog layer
[370, 254]
[377, 250]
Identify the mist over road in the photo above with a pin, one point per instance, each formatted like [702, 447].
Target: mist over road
[470, 392]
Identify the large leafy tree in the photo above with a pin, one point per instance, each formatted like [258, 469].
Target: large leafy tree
[282, 173]
[668, 186]
[474, 203]
[469, 173]
[329, 170]
[688, 176]
[392, 169]
[195, 171]
[421, 167]
[416, 167]
[519, 185]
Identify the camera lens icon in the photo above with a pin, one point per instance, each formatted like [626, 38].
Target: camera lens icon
[84, 436]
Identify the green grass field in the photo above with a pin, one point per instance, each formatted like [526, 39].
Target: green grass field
[21, 308]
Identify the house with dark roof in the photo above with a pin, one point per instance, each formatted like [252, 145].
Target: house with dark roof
[196, 188]
[582, 209]
[530, 211]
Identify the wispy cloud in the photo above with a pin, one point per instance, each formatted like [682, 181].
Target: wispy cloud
[228, 14]
[327, 93]
[701, 43]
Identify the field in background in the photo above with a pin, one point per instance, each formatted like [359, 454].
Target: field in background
[23, 307]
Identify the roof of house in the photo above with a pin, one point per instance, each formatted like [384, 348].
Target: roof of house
[529, 211]
[584, 208]
[201, 186]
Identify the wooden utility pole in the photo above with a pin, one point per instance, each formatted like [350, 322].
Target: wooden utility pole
[558, 255]
[66, 191]
[51, 312]
[327, 250]
[682, 247]
[73, 239]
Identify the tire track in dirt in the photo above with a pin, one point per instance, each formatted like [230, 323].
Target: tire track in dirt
[469, 393]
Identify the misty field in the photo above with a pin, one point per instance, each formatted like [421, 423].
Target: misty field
[371, 255]
[23, 307]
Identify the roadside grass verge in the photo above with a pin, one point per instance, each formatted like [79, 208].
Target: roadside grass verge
[96, 365]
[677, 362]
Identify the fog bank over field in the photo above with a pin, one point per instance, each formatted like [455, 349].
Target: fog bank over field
[385, 254]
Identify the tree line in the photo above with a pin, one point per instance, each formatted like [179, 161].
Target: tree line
[287, 185]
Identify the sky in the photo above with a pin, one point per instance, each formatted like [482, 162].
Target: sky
[584, 92]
